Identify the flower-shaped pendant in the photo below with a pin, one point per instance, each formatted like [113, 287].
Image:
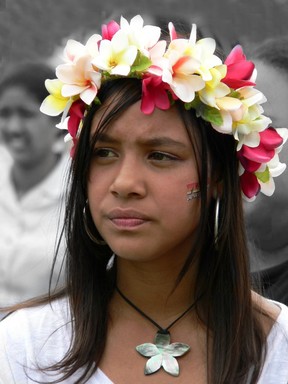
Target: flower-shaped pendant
[162, 354]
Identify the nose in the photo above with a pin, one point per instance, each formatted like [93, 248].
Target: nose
[130, 180]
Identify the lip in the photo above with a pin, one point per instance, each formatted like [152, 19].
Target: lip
[127, 218]
[17, 141]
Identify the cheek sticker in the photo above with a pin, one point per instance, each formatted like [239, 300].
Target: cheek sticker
[193, 191]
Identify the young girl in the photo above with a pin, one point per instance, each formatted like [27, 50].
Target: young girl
[167, 140]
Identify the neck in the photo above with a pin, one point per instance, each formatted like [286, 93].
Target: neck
[153, 288]
[25, 177]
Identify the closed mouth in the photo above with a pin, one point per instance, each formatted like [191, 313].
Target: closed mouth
[127, 218]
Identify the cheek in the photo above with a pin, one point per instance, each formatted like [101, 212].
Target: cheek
[179, 201]
[96, 194]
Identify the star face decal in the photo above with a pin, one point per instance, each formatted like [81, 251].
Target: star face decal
[162, 354]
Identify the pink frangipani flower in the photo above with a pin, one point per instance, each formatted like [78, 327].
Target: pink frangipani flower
[172, 31]
[154, 94]
[249, 185]
[253, 159]
[239, 70]
[79, 78]
[265, 151]
[76, 114]
[109, 30]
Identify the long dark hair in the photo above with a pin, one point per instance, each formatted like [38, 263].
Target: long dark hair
[226, 308]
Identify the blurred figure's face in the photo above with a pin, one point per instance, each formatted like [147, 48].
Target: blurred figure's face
[27, 133]
[267, 217]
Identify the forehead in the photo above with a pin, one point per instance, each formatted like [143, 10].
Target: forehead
[14, 95]
[133, 123]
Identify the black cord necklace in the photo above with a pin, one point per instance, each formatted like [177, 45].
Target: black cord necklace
[161, 353]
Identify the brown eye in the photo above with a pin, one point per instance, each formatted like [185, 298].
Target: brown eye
[104, 152]
[162, 156]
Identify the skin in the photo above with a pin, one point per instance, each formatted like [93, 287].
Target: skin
[267, 217]
[28, 135]
[143, 168]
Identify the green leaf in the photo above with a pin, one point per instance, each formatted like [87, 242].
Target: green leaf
[207, 113]
[210, 114]
[263, 176]
[97, 101]
[141, 63]
[194, 104]
[234, 94]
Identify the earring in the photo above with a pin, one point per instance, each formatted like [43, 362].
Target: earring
[193, 191]
[216, 222]
[92, 237]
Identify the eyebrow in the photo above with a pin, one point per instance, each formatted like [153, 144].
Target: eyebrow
[151, 142]
[103, 137]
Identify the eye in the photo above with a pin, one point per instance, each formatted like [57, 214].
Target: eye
[5, 113]
[162, 156]
[104, 153]
[27, 114]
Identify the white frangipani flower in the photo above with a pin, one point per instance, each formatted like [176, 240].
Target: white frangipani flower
[116, 55]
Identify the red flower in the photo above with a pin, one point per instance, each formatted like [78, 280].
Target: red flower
[249, 184]
[109, 30]
[154, 94]
[269, 141]
[76, 113]
[270, 138]
[252, 158]
[239, 70]
[73, 149]
[172, 31]
[248, 165]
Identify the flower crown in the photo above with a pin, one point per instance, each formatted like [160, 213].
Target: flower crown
[222, 94]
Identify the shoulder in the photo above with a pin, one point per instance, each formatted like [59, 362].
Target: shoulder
[33, 336]
[33, 339]
[36, 320]
[275, 369]
[272, 314]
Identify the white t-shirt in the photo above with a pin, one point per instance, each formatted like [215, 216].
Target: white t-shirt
[28, 338]
[28, 234]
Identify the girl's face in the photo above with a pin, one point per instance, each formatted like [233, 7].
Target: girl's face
[138, 184]
[27, 133]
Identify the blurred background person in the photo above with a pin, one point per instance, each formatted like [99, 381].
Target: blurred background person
[30, 190]
[5, 159]
[267, 218]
